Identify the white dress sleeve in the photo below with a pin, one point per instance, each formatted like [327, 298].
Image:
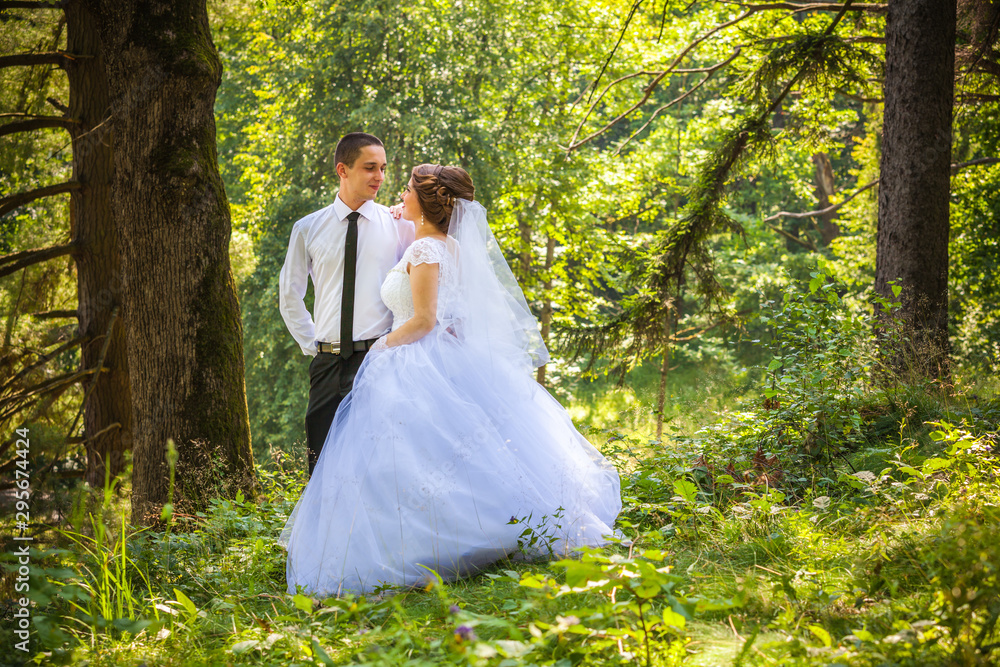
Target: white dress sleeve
[426, 251]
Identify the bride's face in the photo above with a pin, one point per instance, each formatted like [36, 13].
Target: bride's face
[411, 204]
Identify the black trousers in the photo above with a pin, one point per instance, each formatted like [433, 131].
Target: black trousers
[330, 380]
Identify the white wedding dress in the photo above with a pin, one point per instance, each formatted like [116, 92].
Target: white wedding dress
[437, 448]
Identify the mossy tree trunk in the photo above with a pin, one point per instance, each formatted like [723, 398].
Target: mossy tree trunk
[914, 184]
[185, 336]
[107, 413]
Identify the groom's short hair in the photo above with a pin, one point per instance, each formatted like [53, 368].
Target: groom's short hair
[349, 147]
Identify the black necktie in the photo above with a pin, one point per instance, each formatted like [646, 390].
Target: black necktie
[347, 301]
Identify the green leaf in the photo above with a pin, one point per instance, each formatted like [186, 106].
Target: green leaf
[244, 646]
[930, 465]
[319, 653]
[816, 282]
[186, 601]
[686, 489]
[648, 590]
[303, 603]
[822, 635]
[673, 619]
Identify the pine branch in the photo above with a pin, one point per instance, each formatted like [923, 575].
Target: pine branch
[48, 356]
[709, 71]
[798, 7]
[955, 168]
[38, 124]
[793, 238]
[82, 440]
[55, 314]
[21, 114]
[8, 204]
[859, 98]
[57, 104]
[660, 271]
[823, 211]
[751, 9]
[32, 4]
[648, 90]
[60, 58]
[621, 36]
[9, 404]
[16, 261]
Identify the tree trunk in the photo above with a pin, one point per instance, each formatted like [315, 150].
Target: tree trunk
[546, 319]
[98, 268]
[661, 396]
[825, 186]
[185, 336]
[912, 246]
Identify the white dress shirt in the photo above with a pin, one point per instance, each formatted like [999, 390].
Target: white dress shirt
[316, 249]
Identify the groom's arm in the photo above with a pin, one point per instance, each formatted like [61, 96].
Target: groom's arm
[292, 284]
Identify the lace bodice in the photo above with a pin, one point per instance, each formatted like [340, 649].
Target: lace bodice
[396, 292]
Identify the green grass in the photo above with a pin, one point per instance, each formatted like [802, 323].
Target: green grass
[838, 568]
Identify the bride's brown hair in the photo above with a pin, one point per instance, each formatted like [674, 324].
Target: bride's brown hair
[437, 189]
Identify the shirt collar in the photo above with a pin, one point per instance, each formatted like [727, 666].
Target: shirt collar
[367, 210]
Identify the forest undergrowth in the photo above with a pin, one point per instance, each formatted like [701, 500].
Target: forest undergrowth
[832, 515]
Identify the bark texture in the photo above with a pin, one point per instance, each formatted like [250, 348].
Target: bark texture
[825, 187]
[185, 336]
[108, 408]
[914, 184]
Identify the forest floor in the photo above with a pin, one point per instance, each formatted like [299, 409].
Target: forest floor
[884, 554]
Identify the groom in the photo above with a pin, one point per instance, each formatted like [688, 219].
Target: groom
[347, 249]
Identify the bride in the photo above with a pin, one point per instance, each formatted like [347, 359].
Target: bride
[446, 449]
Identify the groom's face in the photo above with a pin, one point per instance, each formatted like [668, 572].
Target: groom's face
[363, 179]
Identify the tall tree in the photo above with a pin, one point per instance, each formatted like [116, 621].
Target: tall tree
[107, 411]
[912, 245]
[185, 335]
[93, 242]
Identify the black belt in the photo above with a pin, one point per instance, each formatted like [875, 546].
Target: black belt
[334, 348]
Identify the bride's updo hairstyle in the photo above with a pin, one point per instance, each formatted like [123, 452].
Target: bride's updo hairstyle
[437, 189]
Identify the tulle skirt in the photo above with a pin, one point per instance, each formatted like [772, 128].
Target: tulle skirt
[444, 458]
